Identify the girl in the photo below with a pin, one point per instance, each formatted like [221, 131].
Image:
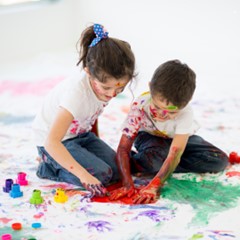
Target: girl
[68, 149]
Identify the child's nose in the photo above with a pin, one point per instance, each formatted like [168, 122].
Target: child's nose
[113, 93]
[164, 113]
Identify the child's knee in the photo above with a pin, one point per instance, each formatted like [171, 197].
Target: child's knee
[222, 163]
[151, 159]
[216, 162]
[105, 176]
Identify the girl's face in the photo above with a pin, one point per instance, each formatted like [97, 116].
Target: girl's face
[162, 111]
[106, 91]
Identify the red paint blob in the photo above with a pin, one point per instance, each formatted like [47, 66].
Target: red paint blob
[233, 174]
[124, 200]
[234, 158]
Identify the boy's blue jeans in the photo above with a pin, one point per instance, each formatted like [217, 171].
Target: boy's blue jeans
[199, 156]
[89, 151]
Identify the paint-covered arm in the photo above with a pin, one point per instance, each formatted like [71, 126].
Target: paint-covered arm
[95, 128]
[176, 150]
[151, 192]
[60, 154]
[123, 162]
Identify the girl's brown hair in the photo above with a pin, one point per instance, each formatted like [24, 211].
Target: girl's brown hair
[110, 57]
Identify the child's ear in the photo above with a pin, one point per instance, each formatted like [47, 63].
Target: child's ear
[87, 71]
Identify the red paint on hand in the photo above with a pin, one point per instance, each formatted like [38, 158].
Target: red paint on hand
[122, 192]
[155, 183]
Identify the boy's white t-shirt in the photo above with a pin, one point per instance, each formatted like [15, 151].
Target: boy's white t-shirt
[75, 94]
[140, 119]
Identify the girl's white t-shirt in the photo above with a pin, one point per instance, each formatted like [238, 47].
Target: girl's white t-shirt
[140, 119]
[75, 94]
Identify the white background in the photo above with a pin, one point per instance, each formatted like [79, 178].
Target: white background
[205, 34]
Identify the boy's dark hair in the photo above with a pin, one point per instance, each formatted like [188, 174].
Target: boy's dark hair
[175, 82]
[108, 58]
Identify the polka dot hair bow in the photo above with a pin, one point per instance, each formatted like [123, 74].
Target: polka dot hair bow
[100, 34]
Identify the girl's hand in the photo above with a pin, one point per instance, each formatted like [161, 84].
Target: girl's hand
[93, 185]
[95, 189]
[122, 192]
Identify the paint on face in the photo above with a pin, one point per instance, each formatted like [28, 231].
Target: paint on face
[119, 84]
[106, 91]
[206, 197]
[153, 111]
[96, 87]
[172, 107]
[161, 111]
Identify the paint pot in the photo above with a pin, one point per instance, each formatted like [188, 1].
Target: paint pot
[6, 236]
[36, 225]
[234, 158]
[16, 226]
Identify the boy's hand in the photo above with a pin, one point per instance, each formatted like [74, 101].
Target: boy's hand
[122, 192]
[150, 193]
[146, 196]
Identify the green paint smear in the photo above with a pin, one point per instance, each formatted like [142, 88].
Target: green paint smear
[19, 234]
[196, 236]
[206, 197]
[121, 96]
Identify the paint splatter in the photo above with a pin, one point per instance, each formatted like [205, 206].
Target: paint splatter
[5, 220]
[206, 197]
[157, 215]
[100, 226]
[32, 88]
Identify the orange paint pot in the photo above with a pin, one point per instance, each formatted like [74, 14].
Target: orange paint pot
[16, 226]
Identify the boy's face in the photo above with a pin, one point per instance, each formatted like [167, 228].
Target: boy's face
[162, 111]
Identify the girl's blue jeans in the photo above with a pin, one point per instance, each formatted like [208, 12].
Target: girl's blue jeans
[199, 156]
[89, 151]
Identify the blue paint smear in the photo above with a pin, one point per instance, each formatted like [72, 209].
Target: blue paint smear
[9, 119]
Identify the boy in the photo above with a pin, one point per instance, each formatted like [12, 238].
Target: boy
[162, 128]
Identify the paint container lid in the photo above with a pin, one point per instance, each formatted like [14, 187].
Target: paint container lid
[16, 226]
[36, 225]
[6, 236]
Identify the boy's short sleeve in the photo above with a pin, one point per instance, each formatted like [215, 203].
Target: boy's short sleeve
[132, 123]
[186, 124]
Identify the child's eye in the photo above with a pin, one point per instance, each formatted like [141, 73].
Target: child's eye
[106, 88]
[156, 107]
